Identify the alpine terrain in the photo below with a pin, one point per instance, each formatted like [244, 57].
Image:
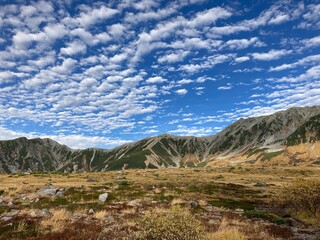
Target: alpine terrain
[285, 137]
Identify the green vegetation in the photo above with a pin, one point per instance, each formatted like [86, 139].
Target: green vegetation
[269, 155]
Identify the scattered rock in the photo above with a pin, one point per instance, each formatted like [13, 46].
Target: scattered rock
[213, 221]
[12, 213]
[5, 219]
[60, 194]
[109, 219]
[92, 180]
[261, 184]
[194, 204]
[103, 197]
[41, 213]
[49, 190]
[239, 210]
[120, 177]
[124, 167]
[91, 211]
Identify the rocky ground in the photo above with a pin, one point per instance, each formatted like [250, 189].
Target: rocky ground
[111, 205]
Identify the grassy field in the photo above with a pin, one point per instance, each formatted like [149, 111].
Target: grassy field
[221, 203]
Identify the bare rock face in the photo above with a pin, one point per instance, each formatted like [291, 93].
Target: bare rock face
[242, 138]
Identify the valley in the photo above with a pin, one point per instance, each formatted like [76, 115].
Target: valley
[242, 200]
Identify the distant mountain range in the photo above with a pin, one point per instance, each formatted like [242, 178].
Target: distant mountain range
[285, 137]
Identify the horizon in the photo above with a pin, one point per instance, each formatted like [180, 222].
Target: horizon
[163, 134]
[102, 74]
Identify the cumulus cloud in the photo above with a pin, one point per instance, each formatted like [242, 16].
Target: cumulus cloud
[76, 47]
[157, 79]
[192, 131]
[182, 91]
[99, 69]
[271, 55]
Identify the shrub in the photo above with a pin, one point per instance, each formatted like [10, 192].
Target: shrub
[174, 224]
[302, 197]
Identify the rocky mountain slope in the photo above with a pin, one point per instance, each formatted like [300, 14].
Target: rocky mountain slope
[289, 136]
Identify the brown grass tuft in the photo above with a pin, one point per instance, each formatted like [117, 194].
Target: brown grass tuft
[57, 222]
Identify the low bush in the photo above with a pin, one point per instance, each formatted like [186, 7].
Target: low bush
[302, 197]
[174, 224]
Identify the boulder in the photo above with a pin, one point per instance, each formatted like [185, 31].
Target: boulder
[47, 191]
[103, 197]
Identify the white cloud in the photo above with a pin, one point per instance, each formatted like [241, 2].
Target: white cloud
[173, 57]
[210, 16]
[93, 16]
[226, 87]
[117, 30]
[242, 59]
[243, 43]
[74, 48]
[313, 59]
[279, 19]
[271, 55]
[192, 131]
[182, 91]
[312, 42]
[156, 79]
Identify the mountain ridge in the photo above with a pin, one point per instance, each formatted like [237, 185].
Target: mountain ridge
[250, 139]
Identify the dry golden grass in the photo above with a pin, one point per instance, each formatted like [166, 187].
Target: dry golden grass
[178, 201]
[230, 233]
[57, 222]
[100, 215]
[176, 187]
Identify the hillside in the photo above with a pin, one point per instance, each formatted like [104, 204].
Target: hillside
[254, 140]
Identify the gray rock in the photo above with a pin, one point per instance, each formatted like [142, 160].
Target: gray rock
[109, 219]
[5, 219]
[194, 204]
[261, 184]
[45, 213]
[91, 211]
[47, 191]
[12, 213]
[1, 201]
[60, 194]
[103, 197]
[41, 213]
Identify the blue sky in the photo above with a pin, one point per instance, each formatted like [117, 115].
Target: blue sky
[100, 74]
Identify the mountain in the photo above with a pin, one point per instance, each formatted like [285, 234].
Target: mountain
[285, 137]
